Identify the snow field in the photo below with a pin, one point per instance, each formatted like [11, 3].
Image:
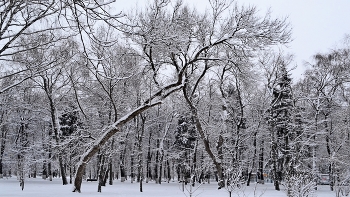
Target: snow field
[43, 188]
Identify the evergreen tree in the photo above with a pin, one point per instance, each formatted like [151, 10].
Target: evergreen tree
[185, 142]
[69, 124]
[280, 122]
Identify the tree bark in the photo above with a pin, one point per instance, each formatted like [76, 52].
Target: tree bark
[261, 162]
[149, 157]
[169, 169]
[2, 149]
[140, 153]
[110, 167]
[161, 166]
[328, 146]
[122, 165]
[275, 163]
[254, 157]
[194, 165]
[132, 163]
[105, 176]
[49, 169]
[156, 163]
[70, 174]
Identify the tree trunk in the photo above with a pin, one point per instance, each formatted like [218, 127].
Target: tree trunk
[217, 164]
[261, 163]
[140, 167]
[70, 174]
[98, 164]
[274, 158]
[328, 146]
[49, 169]
[194, 164]
[100, 180]
[168, 170]
[23, 144]
[105, 176]
[132, 171]
[122, 167]
[274, 169]
[254, 156]
[249, 177]
[1, 165]
[140, 153]
[110, 167]
[2, 147]
[221, 181]
[161, 166]
[55, 125]
[34, 172]
[63, 171]
[156, 163]
[44, 173]
[149, 158]
[102, 171]
[116, 127]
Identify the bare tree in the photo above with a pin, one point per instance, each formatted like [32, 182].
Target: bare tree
[188, 43]
[20, 19]
[327, 80]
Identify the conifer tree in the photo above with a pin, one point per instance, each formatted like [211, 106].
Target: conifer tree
[280, 122]
[185, 140]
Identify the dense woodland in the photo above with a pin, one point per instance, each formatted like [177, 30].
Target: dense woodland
[167, 93]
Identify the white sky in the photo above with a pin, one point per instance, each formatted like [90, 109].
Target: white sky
[318, 25]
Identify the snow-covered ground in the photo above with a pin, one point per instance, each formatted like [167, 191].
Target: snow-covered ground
[44, 188]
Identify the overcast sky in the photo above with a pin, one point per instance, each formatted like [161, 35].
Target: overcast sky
[318, 25]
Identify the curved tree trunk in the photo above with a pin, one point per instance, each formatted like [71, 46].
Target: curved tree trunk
[217, 164]
[109, 132]
[207, 148]
[154, 100]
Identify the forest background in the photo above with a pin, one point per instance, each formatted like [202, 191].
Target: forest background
[167, 92]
